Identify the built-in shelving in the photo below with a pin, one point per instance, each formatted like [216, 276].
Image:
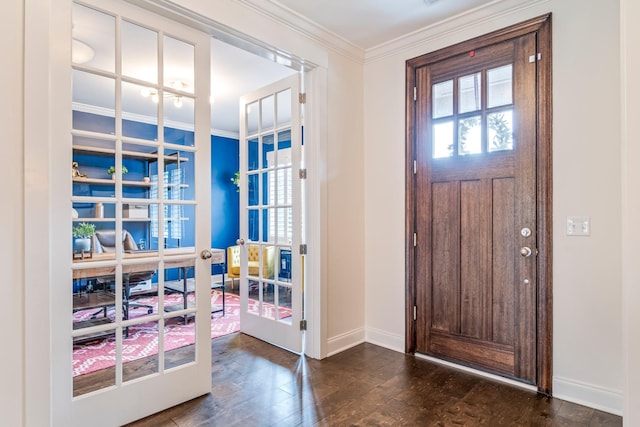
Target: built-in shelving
[110, 152]
[107, 181]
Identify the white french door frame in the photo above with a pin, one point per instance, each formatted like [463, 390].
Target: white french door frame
[283, 333]
[48, 377]
[43, 49]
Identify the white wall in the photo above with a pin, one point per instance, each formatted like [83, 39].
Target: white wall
[587, 346]
[11, 216]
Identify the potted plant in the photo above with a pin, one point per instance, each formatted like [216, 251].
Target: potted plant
[112, 170]
[83, 233]
[236, 180]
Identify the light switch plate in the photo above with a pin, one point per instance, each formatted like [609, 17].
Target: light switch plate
[578, 226]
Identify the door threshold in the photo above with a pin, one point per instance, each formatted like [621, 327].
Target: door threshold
[478, 372]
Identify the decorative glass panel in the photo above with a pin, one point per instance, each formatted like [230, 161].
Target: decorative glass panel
[93, 93]
[268, 298]
[283, 108]
[500, 131]
[179, 341]
[470, 93]
[139, 52]
[179, 172]
[267, 107]
[89, 24]
[252, 115]
[90, 163]
[268, 218]
[139, 112]
[470, 135]
[252, 190]
[178, 61]
[179, 226]
[91, 355]
[254, 225]
[268, 148]
[253, 155]
[179, 119]
[443, 140]
[140, 351]
[442, 99]
[500, 86]
[284, 303]
[284, 148]
[284, 265]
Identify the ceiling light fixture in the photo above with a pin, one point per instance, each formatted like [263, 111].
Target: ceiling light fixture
[81, 52]
[177, 99]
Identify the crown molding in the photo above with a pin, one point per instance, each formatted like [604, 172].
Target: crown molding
[108, 112]
[282, 15]
[464, 22]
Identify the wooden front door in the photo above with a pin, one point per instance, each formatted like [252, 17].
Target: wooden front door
[476, 204]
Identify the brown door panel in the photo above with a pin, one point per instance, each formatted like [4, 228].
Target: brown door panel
[475, 294]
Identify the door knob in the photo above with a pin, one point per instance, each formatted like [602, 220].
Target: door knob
[525, 251]
[240, 242]
[206, 254]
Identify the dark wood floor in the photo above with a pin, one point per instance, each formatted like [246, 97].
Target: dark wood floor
[256, 384]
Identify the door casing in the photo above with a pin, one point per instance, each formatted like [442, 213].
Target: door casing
[542, 26]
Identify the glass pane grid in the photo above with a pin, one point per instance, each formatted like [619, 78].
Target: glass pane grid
[479, 128]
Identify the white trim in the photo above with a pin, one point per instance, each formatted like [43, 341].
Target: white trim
[593, 396]
[38, 398]
[315, 136]
[307, 28]
[345, 341]
[385, 339]
[468, 21]
[108, 112]
[225, 134]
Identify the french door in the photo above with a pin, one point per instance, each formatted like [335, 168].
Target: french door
[479, 205]
[271, 282]
[139, 146]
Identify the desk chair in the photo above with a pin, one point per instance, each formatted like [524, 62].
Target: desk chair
[105, 241]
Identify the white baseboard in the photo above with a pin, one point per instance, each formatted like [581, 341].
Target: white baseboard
[591, 395]
[344, 341]
[385, 339]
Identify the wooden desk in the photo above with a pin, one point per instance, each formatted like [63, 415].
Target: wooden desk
[185, 286]
[105, 298]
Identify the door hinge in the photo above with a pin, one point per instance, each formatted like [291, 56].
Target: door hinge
[303, 174]
[415, 239]
[415, 313]
[302, 97]
[303, 325]
[303, 249]
[532, 58]
[415, 93]
[415, 167]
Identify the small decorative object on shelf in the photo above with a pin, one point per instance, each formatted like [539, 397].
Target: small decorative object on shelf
[112, 170]
[83, 233]
[98, 210]
[75, 172]
[146, 180]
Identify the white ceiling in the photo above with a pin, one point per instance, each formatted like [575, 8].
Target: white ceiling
[368, 23]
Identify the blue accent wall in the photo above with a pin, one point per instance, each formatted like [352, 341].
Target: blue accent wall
[225, 200]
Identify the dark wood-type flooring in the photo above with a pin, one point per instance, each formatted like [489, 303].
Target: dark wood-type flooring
[256, 384]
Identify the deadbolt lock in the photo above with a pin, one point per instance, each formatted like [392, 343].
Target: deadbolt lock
[525, 232]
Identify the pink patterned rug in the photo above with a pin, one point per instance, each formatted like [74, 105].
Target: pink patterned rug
[143, 338]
